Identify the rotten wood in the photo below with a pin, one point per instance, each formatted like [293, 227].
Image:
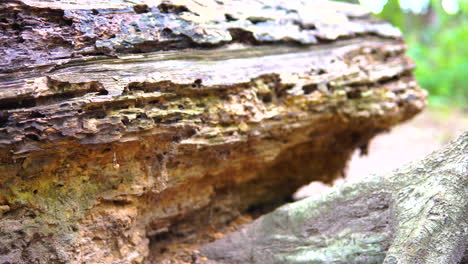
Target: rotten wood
[121, 121]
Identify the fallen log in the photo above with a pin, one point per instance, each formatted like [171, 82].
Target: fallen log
[415, 214]
[120, 122]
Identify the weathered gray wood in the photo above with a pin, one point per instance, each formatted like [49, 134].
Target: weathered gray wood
[415, 214]
[119, 119]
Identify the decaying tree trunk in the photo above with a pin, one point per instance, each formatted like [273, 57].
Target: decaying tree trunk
[122, 122]
[415, 214]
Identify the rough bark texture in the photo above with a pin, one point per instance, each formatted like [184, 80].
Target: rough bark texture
[415, 214]
[122, 121]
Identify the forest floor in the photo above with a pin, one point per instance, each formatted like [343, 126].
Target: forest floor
[407, 142]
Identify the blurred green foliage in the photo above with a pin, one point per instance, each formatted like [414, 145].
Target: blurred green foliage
[438, 42]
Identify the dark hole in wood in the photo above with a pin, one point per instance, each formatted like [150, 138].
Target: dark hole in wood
[125, 121]
[16, 26]
[387, 57]
[197, 83]
[240, 35]
[166, 32]
[14, 103]
[170, 8]
[364, 149]
[32, 137]
[3, 119]
[63, 19]
[36, 114]
[120, 202]
[305, 26]
[141, 115]
[140, 9]
[353, 94]
[191, 132]
[100, 114]
[266, 98]
[230, 18]
[257, 20]
[260, 209]
[309, 88]
[106, 150]
[355, 137]
[163, 236]
[173, 120]
[160, 157]
[281, 89]
[103, 92]
[97, 87]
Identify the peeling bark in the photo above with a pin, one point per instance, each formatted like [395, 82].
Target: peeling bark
[119, 122]
[415, 214]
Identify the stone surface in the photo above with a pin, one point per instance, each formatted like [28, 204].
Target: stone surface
[121, 121]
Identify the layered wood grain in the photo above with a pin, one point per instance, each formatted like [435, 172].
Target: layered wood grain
[121, 121]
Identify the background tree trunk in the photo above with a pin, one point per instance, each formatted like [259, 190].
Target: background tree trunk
[415, 214]
[121, 123]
